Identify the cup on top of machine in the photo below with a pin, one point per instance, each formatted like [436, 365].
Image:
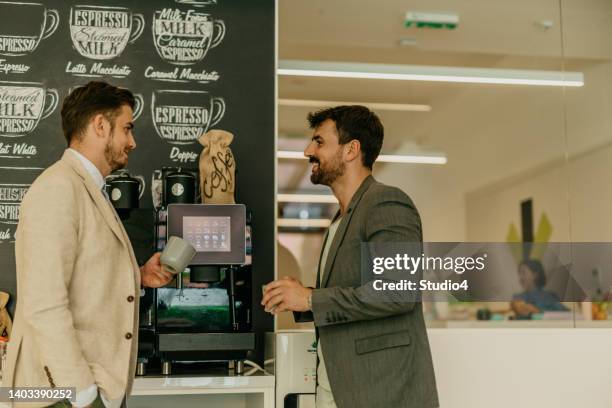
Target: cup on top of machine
[177, 254]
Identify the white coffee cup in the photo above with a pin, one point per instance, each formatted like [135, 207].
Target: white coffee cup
[177, 254]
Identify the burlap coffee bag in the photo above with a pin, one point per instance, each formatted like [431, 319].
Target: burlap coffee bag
[217, 168]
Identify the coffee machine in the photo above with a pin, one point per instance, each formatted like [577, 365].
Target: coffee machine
[203, 317]
[207, 315]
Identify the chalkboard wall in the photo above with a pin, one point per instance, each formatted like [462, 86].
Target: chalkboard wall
[193, 65]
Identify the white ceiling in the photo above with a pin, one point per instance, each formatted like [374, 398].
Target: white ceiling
[488, 132]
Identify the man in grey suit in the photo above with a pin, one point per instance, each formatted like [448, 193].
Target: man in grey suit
[372, 349]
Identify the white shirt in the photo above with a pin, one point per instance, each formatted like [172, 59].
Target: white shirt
[322, 378]
[89, 394]
[91, 169]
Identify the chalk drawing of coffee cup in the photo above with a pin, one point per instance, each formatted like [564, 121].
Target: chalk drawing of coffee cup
[24, 25]
[11, 196]
[184, 37]
[9, 213]
[102, 33]
[138, 105]
[23, 105]
[181, 117]
[138, 101]
[197, 3]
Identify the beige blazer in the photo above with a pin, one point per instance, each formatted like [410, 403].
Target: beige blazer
[78, 283]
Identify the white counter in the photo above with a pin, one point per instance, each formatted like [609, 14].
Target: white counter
[520, 324]
[477, 364]
[522, 367]
[254, 391]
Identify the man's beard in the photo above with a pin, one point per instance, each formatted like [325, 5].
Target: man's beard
[113, 158]
[328, 176]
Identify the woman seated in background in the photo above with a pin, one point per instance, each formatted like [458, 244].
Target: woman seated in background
[534, 298]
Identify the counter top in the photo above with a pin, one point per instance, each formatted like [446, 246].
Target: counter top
[514, 324]
[478, 366]
[209, 384]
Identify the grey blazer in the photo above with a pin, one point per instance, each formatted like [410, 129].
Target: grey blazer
[376, 353]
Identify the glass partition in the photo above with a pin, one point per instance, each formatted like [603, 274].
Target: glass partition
[514, 112]
[586, 30]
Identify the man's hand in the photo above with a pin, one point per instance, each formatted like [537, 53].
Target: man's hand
[153, 274]
[287, 294]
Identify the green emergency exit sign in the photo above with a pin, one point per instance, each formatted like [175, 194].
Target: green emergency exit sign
[419, 19]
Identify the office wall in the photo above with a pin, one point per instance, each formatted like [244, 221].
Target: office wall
[193, 65]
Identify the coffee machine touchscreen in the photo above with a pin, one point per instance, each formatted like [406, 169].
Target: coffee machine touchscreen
[208, 234]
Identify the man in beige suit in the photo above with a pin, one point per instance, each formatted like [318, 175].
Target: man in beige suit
[78, 283]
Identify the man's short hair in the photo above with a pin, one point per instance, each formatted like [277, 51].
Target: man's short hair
[91, 99]
[354, 122]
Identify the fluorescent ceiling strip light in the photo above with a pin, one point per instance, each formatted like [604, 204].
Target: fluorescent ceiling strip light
[302, 223]
[429, 73]
[409, 158]
[287, 154]
[306, 198]
[383, 158]
[404, 107]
